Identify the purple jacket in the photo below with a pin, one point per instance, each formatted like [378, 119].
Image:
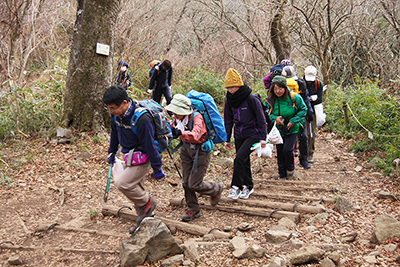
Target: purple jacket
[246, 125]
[267, 81]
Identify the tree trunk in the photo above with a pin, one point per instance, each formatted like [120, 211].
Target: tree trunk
[89, 73]
[280, 36]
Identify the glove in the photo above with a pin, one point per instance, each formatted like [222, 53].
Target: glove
[176, 132]
[150, 91]
[158, 174]
[310, 118]
[313, 97]
[111, 158]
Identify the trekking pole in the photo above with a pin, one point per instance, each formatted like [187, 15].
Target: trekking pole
[176, 167]
[108, 182]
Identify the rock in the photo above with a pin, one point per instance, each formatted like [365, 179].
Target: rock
[226, 162]
[277, 236]
[358, 168]
[350, 237]
[373, 163]
[237, 243]
[390, 247]
[370, 259]
[319, 218]
[305, 255]
[335, 257]
[152, 241]
[208, 238]
[385, 227]
[276, 262]
[327, 263]
[64, 133]
[190, 251]
[286, 223]
[376, 174]
[15, 260]
[188, 263]
[173, 261]
[343, 205]
[245, 227]
[385, 194]
[250, 252]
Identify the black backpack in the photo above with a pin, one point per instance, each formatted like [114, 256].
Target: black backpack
[267, 118]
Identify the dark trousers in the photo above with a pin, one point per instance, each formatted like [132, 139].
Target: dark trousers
[285, 153]
[303, 142]
[158, 92]
[192, 182]
[242, 167]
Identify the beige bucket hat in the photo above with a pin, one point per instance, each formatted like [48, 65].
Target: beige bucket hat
[180, 105]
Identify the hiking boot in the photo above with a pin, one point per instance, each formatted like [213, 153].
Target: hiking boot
[190, 215]
[214, 200]
[303, 163]
[289, 174]
[246, 192]
[234, 193]
[146, 210]
[310, 159]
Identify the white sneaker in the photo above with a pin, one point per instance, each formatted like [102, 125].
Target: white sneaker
[234, 193]
[246, 192]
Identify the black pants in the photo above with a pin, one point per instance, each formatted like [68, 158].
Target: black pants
[242, 167]
[303, 142]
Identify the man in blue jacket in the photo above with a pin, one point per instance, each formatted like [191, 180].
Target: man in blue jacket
[141, 146]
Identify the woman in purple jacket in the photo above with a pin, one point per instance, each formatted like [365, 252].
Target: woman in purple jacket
[249, 128]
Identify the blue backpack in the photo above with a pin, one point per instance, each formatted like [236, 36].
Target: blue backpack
[163, 135]
[205, 105]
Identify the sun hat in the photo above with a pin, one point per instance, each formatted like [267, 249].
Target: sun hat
[233, 78]
[288, 71]
[180, 105]
[310, 73]
[279, 80]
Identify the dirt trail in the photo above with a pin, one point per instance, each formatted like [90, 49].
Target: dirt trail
[53, 186]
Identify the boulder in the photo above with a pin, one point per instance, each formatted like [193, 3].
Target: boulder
[250, 252]
[305, 255]
[385, 227]
[277, 236]
[152, 241]
[343, 205]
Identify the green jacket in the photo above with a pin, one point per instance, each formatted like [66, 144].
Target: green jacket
[292, 108]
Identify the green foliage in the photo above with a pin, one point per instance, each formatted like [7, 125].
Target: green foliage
[6, 181]
[376, 110]
[93, 213]
[33, 111]
[202, 79]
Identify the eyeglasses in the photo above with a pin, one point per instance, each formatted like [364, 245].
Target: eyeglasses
[112, 110]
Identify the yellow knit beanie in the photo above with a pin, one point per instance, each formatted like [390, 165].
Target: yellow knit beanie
[233, 78]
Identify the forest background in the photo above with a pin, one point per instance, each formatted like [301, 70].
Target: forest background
[354, 44]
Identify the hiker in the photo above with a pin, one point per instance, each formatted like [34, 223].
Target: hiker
[289, 73]
[160, 82]
[275, 70]
[122, 77]
[288, 110]
[249, 129]
[316, 92]
[131, 181]
[190, 127]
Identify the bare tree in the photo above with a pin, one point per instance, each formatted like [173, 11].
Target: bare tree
[89, 73]
[279, 33]
[318, 23]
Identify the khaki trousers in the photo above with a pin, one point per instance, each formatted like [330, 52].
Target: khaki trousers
[131, 184]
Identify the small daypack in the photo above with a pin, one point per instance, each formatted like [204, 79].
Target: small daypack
[163, 132]
[155, 63]
[293, 85]
[205, 105]
[275, 70]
